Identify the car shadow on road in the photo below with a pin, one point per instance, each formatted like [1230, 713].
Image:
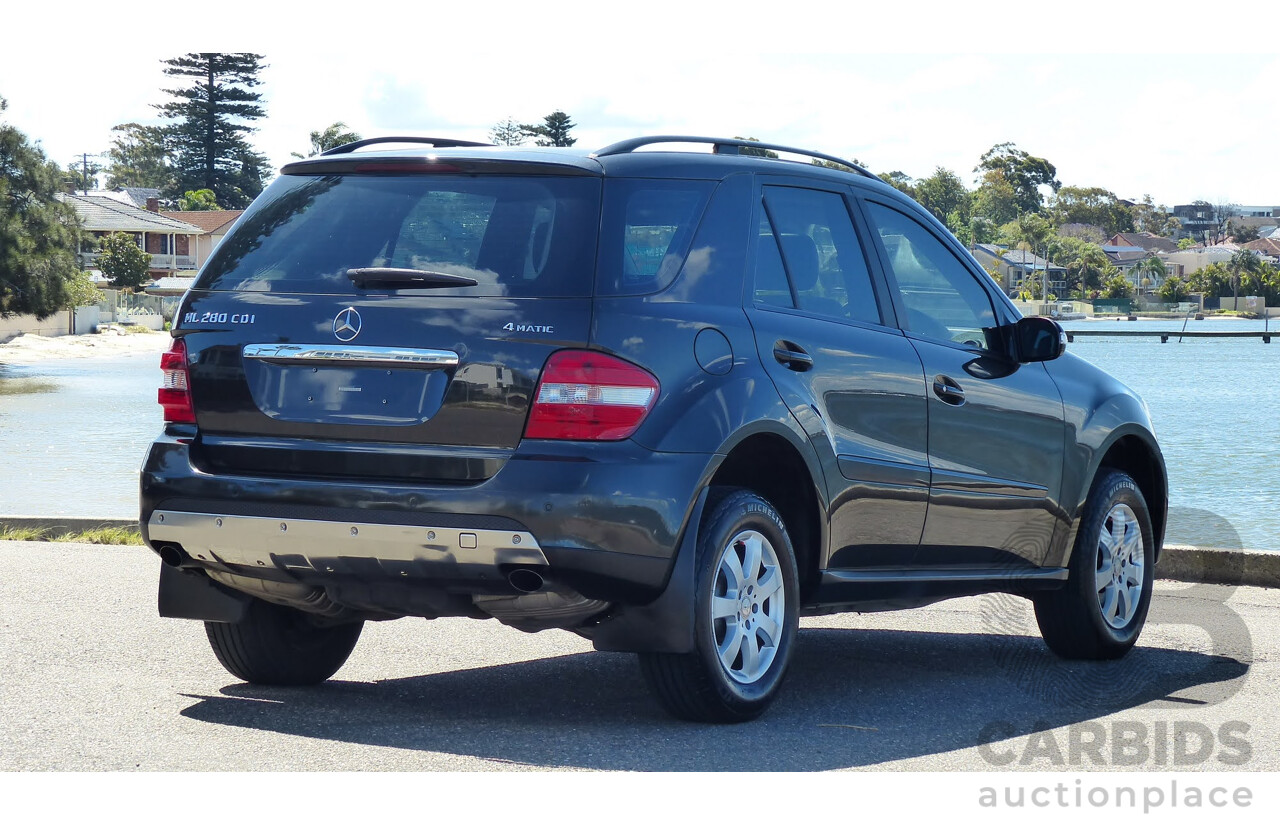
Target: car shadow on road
[853, 698]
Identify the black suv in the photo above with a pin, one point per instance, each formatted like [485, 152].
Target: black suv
[668, 399]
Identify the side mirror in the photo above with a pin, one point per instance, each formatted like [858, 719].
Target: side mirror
[1039, 339]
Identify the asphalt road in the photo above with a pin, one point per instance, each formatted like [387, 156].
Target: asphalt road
[92, 680]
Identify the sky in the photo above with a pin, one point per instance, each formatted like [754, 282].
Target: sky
[908, 88]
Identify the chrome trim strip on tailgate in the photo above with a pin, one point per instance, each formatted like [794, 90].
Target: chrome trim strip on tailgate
[253, 541]
[359, 356]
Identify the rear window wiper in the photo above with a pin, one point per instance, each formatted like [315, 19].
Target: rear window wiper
[406, 278]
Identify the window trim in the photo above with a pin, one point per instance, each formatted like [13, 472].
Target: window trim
[1003, 311]
[886, 309]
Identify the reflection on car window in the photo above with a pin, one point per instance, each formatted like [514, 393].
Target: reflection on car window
[942, 297]
[809, 254]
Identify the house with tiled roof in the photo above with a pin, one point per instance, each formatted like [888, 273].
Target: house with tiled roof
[1268, 247]
[168, 241]
[1143, 240]
[214, 225]
[1016, 265]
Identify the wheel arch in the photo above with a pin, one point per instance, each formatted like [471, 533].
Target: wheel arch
[786, 474]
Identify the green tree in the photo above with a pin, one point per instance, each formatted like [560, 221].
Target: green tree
[199, 200]
[39, 235]
[1086, 266]
[212, 123]
[1243, 261]
[1241, 233]
[123, 261]
[759, 153]
[1214, 280]
[553, 131]
[82, 175]
[332, 136]
[1091, 205]
[1150, 269]
[138, 157]
[81, 291]
[508, 133]
[1172, 290]
[1117, 287]
[1147, 217]
[943, 193]
[901, 181]
[1025, 172]
[1186, 243]
[995, 198]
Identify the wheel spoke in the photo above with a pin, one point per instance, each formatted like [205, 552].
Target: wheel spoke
[770, 583]
[1125, 600]
[1133, 574]
[771, 628]
[728, 650]
[751, 560]
[724, 607]
[1110, 602]
[750, 655]
[1103, 577]
[731, 566]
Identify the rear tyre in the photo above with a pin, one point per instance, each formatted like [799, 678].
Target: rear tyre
[276, 645]
[745, 618]
[1102, 609]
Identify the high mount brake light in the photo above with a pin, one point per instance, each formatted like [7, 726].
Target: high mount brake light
[589, 396]
[175, 387]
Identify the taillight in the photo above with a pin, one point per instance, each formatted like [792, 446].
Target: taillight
[588, 396]
[175, 387]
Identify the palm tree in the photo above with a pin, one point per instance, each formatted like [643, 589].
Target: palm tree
[1244, 260]
[1154, 267]
[1088, 265]
[335, 135]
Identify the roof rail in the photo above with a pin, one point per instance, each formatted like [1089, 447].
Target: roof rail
[721, 146]
[442, 143]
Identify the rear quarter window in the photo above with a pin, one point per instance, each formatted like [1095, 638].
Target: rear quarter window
[648, 226]
[516, 236]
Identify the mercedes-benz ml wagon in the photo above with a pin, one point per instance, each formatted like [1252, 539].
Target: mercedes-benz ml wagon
[665, 398]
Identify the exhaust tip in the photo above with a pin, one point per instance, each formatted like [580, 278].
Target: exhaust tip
[525, 580]
[172, 555]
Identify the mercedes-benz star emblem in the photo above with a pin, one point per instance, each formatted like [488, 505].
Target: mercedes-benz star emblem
[347, 325]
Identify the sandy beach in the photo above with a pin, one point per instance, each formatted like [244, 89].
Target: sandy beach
[31, 349]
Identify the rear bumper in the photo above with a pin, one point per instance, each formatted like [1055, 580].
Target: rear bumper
[603, 521]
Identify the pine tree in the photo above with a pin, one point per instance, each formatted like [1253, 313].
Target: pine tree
[507, 133]
[209, 139]
[39, 235]
[138, 157]
[553, 131]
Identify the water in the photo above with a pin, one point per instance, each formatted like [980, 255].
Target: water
[73, 433]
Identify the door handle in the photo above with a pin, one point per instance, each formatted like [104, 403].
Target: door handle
[948, 390]
[792, 356]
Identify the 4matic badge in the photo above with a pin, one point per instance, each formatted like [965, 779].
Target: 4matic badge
[514, 327]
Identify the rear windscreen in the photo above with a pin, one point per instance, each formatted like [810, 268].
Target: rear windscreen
[516, 236]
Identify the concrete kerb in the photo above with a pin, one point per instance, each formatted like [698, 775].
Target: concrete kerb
[1210, 565]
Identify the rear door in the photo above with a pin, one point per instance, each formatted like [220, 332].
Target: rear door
[387, 325]
[851, 379]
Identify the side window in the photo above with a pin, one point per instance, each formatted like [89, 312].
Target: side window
[809, 255]
[647, 228]
[942, 297]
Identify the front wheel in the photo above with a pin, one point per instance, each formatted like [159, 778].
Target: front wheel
[276, 645]
[1102, 609]
[745, 618]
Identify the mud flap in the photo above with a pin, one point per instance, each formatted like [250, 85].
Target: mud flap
[192, 595]
[664, 625]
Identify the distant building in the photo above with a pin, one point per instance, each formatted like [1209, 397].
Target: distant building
[1015, 265]
[1142, 240]
[214, 225]
[169, 242]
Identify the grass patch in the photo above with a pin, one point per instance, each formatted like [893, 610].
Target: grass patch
[137, 328]
[103, 535]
